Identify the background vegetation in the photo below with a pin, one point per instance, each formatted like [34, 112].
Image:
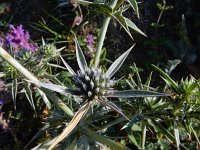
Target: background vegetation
[161, 113]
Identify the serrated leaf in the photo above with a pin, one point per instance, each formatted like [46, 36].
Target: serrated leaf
[134, 6]
[72, 124]
[135, 93]
[117, 63]
[67, 66]
[80, 57]
[133, 26]
[14, 91]
[122, 21]
[57, 88]
[112, 106]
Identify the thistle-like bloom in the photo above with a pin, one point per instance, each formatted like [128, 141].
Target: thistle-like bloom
[18, 39]
[89, 40]
[92, 84]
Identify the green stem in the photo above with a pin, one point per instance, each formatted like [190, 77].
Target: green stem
[103, 35]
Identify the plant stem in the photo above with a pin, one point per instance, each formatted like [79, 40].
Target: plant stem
[103, 35]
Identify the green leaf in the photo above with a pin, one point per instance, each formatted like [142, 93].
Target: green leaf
[101, 8]
[56, 66]
[148, 81]
[67, 66]
[167, 78]
[136, 93]
[160, 7]
[104, 140]
[29, 96]
[135, 119]
[14, 91]
[112, 106]
[171, 65]
[57, 88]
[72, 124]
[144, 133]
[135, 7]
[177, 137]
[160, 128]
[45, 145]
[58, 102]
[122, 21]
[133, 26]
[45, 99]
[80, 57]
[117, 63]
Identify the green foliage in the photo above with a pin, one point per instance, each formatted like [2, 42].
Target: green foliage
[90, 108]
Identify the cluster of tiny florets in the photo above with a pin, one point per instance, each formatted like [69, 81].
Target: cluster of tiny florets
[92, 83]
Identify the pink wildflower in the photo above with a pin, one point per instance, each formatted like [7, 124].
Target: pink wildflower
[18, 38]
[78, 20]
[89, 40]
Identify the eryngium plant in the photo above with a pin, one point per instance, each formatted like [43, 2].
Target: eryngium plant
[92, 84]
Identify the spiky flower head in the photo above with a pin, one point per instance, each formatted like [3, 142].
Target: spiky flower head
[93, 82]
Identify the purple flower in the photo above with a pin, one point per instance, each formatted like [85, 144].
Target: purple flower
[1, 102]
[18, 38]
[89, 40]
